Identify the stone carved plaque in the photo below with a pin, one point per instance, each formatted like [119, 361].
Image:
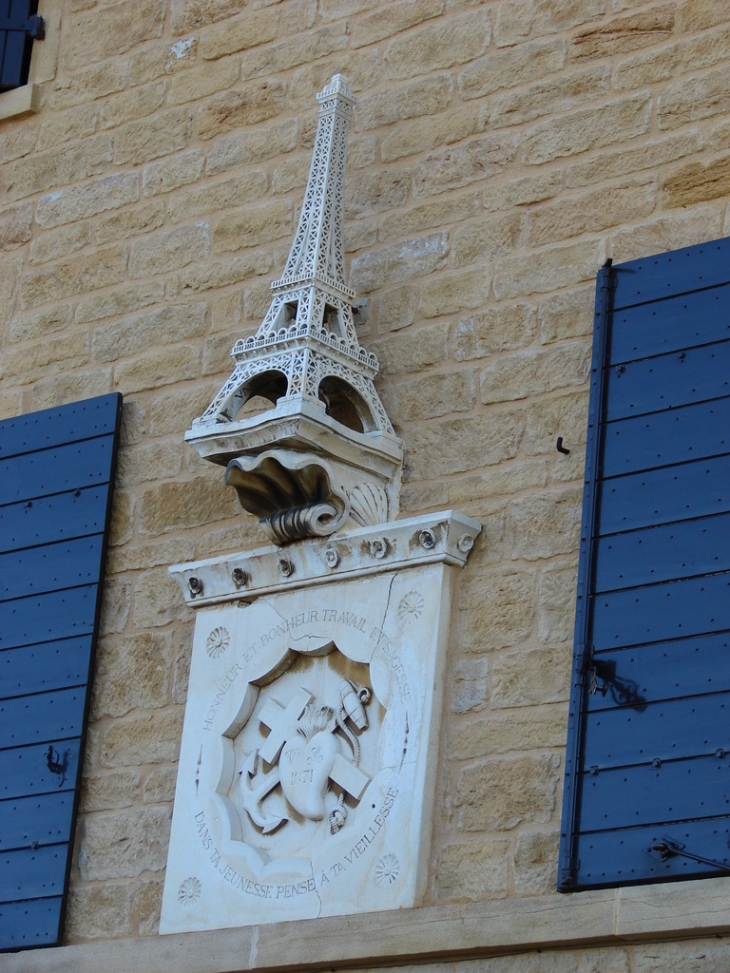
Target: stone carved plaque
[309, 753]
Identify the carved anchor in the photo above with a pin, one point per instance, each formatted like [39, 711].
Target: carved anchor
[253, 796]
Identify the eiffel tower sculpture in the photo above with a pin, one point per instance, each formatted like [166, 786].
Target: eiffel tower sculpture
[323, 455]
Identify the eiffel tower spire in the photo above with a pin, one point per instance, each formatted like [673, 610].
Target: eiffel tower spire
[306, 360]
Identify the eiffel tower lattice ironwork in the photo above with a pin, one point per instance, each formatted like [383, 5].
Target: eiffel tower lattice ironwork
[306, 360]
[306, 346]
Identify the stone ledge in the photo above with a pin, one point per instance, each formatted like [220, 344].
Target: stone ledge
[20, 101]
[399, 937]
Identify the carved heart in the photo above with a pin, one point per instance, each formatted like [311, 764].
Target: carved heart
[305, 769]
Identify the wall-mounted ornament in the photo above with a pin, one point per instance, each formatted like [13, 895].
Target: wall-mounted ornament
[309, 752]
[323, 455]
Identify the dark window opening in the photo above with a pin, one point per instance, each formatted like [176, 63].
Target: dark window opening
[19, 26]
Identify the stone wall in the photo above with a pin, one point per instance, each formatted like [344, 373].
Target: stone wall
[500, 152]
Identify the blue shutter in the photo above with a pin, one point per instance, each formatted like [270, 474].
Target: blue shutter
[647, 793]
[56, 478]
[19, 24]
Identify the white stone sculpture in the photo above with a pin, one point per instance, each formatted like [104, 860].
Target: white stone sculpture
[310, 744]
[305, 359]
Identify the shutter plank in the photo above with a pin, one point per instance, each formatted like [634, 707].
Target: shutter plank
[50, 567]
[24, 925]
[39, 668]
[75, 466]
[669, 274]
[24, 771]
[41, 820]
[76, 513]
[42, 717]
[59, 614]
[37, 431]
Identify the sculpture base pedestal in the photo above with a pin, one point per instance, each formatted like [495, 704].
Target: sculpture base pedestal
[310, 744]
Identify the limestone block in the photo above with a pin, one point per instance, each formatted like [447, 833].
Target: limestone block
[121, 339]
[432, 131]
[169, 250]
[247, 147]
[61, 242]
[668, 233]
[548, 269]
[256, 300]
[156, 368]
[565, 416]
[98, 911]
[622, 34]
[420, 496]
[69, 164]
[132, 674]
[127, 106]
[477, 159]
[145, 555]
[148, 462]
[569, 90]
[147, 738]
[396, 308]
[109, 792]
[40, 323]
[511, 478]
[115, 605]
[455, 292]
[547, 525]
[129, 222]
[334, 9]
[587, 129]
[205, 80]
[211, 197]
[412, 351]
[71, 387]
[257, 27]
[364, 71]
[111, 31]
[469, 685]
[528, 373]
[150, 138]
[474, 871]
[33, 360]
[393, 19]
[14, 145]
[464, 443]
[438, 46]
[385, 190]
[290, 174]
[188, 15]
[568, 315]
[519, 20]
[426, 96]
[252, 226]
[500, 794]
[254, 102]
[146, 903]
[122, 844]
[535, 873]
[221, 273]
[432, 395]
[528, 729]
[122, 525]
[398, 262]
[486, 239]
[170, 506]
[274, 59]
[530, 678]
[87, 199]
[509, 68]
[226, 312]
[694, 98]
[121, 300]
[697, 182]
[649, 154]
[494, 330]
[159, 787]
[700, 14]
[496, 608]
[90, 83]
[65, 126]
[525, 190]
[607, 960]
[15, 225]
[162, 59]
